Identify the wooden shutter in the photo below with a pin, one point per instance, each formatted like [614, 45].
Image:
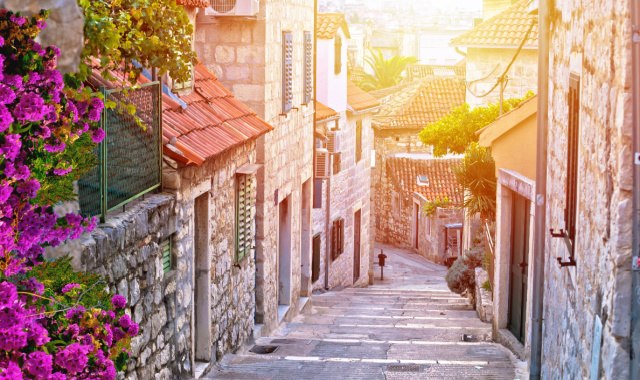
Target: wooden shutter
[287, 71]
[358, 140]
[167, 259]
[337, 54]
[308, 68]
[322, 163]
[317, 193]
[340, 236]
[337, 162]
[572, 156]
[334, 240]
[244, 218]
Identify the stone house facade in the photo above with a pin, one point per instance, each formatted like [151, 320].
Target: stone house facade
[341, 250]
[492, 46]
[512, 139]
[589, 109]
[266, 61]
[409, 182]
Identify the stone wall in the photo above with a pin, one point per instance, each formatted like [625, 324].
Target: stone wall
[523, 75]
[432, 244]
[246, 54]
[591, 39]
[350, 192]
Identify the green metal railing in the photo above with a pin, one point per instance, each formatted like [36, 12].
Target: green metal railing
[130, 156]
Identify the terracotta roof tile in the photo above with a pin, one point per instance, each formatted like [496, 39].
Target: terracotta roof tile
[420, 103]
[323, 112]
[358, 99]
[439, 173]
[329, 23]
[418, 71]
[194, 3]
[505, 30]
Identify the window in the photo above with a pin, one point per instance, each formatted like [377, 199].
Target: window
[571, 187]
[167, 257]
[245, 199]
[337, 238]
[317, 193]
[336, 159]
[337, 51]
[358, 141]
[315, 261]
[287, 71]
[308, 68]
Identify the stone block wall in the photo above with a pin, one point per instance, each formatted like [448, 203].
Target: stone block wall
[246, 54]
[432, 242]
[523, 75]
[592, 40]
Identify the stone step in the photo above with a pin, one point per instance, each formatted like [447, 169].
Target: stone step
[392, 312]
[393, 305]
[390, 321]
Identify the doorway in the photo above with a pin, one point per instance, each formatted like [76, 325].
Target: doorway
[284, 253]
[202, 277]
[305, 240]
[416, 226]
[518, 267]
[315, 261]
[356, 245]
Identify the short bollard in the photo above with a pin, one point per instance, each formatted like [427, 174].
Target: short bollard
[381, 258]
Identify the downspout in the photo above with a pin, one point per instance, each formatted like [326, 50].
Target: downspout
[540, 230]
[635, 300]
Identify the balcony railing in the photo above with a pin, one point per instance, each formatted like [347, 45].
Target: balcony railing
[130, 156]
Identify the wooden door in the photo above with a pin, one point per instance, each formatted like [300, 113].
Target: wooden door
[356, 245]
[518, 268]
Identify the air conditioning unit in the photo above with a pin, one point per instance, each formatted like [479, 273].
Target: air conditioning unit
[333, 142]
[233, 8]
[323, 160]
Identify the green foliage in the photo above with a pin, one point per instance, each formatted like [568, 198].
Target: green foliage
[54, 275]
[386, 72]
[431, 207]
[486, 286]
[461, 276]
[476, 174]
[454, 132]
[155, 33]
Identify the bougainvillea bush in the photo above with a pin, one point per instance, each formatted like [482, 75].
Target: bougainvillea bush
[48, 330]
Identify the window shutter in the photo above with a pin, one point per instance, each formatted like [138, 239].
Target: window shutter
[308, 67]
[167, 259]
[338, 54]
[244, 218]
[287, 71]
[334, 241]
[572, 156]
[317, 193]
[336, 158]
[341, 236]
[358, 141]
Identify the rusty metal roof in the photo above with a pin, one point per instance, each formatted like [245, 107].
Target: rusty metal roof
[507, 29]
[213, 122]
[328, 25]
[437, 177]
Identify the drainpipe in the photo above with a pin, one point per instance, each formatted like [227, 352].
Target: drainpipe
[540, 230]
[635, 300]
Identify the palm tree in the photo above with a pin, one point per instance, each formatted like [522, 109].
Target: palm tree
[386, 72]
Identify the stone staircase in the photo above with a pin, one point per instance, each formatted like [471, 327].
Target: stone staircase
[408, 327]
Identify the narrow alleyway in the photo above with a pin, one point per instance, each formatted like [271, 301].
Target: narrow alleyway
[409, 326]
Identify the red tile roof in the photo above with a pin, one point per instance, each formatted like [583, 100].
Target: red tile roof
[420, 103]
[504, 30]
[439, 173]
[358, 99]
[194, 3]
[323, 112]
[328, 25]
[213, 122]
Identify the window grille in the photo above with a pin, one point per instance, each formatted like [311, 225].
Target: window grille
[308, 68]
[287, 71]
[167, 257]
[358, 141]
[337, 238]
[245, 199]
[337, 54]
[571, 186]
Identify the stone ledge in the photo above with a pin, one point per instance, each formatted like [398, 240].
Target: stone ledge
[484, 302]
[507, 339]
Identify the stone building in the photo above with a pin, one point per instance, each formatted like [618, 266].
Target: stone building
[512, 139]
[408, 183]
[405, 110]
[587, 309]
[341, 250]
[493, 45]
[264, 53]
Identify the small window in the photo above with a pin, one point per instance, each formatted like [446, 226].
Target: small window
[358, 141]
[308, 68]
[245, 199]
[287, 71]
[423, 180]
[337, 54]
[336, 159]
[317, 193]
[337, 238]
[167, 257]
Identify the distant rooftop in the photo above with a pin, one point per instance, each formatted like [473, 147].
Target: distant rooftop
[504, 30]
[432, 178]
[329, 24]
[358, 99]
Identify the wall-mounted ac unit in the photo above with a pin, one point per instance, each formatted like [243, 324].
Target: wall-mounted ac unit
[323, 160]
[233, 8]
[333, 142]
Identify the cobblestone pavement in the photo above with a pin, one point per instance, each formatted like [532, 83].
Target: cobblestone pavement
[409, 326]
